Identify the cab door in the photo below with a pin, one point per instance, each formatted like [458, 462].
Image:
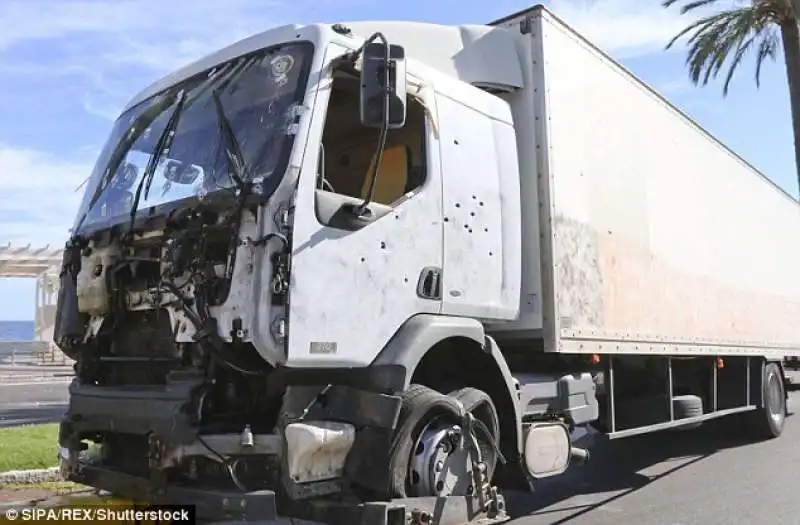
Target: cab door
[356, 280]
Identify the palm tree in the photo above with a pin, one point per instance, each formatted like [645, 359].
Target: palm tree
[760, 26]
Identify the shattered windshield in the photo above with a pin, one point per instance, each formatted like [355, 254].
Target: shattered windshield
[254, 96]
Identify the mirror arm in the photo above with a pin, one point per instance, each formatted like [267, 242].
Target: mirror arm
[353, 55]
[387, 94]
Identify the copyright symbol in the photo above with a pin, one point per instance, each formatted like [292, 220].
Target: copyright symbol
[12, 514]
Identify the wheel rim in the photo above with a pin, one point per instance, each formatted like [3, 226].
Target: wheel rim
[438, 466]
[775, 398]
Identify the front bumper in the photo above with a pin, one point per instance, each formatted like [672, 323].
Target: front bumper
[158, 410]
[164, 415]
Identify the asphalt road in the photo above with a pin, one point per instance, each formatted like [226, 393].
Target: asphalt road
[703, 477]
[32, 401]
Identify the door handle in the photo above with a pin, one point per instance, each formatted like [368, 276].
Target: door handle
[429, 285]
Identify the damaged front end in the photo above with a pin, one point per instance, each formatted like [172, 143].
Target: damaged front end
[173, 303]
[168, 381]
[172, 401]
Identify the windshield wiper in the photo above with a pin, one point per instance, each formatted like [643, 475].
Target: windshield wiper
[162, 144]
[232, 148]
[133, 133]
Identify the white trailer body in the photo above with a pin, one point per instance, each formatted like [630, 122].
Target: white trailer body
[656, 238]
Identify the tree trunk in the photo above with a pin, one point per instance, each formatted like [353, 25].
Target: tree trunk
[790, 35]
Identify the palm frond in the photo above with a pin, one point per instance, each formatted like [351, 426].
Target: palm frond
[690, 6]
[727, 37]
[768, 49]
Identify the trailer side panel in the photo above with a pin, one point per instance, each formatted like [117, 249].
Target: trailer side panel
[664, 240]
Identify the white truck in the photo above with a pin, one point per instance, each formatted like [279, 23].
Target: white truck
[377, 272]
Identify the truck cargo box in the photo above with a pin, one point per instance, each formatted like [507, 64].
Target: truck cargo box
[656, 238]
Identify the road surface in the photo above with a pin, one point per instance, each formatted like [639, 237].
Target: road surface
[32, 401]
[676, 478]
[673, 478]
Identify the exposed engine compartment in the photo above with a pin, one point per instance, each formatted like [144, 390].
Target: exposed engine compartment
[147, 299]
[139, 317]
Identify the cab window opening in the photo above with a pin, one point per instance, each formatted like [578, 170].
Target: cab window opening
[348, 151]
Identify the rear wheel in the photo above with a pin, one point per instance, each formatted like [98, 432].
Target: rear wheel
[431, 453]
[768, 421]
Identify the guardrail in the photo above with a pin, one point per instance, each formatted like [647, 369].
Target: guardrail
[31, 353]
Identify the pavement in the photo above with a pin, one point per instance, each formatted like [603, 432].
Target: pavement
[702, 477]
[27, 399]
[28, 373]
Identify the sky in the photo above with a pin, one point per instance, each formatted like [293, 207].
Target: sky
[67, 67]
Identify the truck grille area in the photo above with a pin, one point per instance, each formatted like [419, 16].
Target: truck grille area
[142, 351]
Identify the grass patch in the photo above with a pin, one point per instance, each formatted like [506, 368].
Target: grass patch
[28, 447]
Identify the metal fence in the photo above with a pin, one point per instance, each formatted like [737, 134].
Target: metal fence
[31, 353]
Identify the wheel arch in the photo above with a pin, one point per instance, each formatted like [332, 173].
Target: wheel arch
[426, 343]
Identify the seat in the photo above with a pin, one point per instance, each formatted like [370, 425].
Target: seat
[392, 177]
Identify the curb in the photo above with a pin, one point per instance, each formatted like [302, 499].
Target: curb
[34, 502]
[22, 477]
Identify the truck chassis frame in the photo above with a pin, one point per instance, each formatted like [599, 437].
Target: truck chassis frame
[752, 379]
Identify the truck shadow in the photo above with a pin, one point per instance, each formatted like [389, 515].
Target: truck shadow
[618, 468]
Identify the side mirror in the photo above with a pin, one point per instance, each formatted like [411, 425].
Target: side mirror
[373, 86]
[180, 173]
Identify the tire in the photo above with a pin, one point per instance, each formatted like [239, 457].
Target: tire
[420, 406]
[684, 407]
[478, 403]
[767, 421]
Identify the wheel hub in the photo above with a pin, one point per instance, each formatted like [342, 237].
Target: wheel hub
[441, 465]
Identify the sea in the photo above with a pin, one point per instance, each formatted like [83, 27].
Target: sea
[16, 330]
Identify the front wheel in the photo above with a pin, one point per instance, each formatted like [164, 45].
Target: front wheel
[431, 453]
